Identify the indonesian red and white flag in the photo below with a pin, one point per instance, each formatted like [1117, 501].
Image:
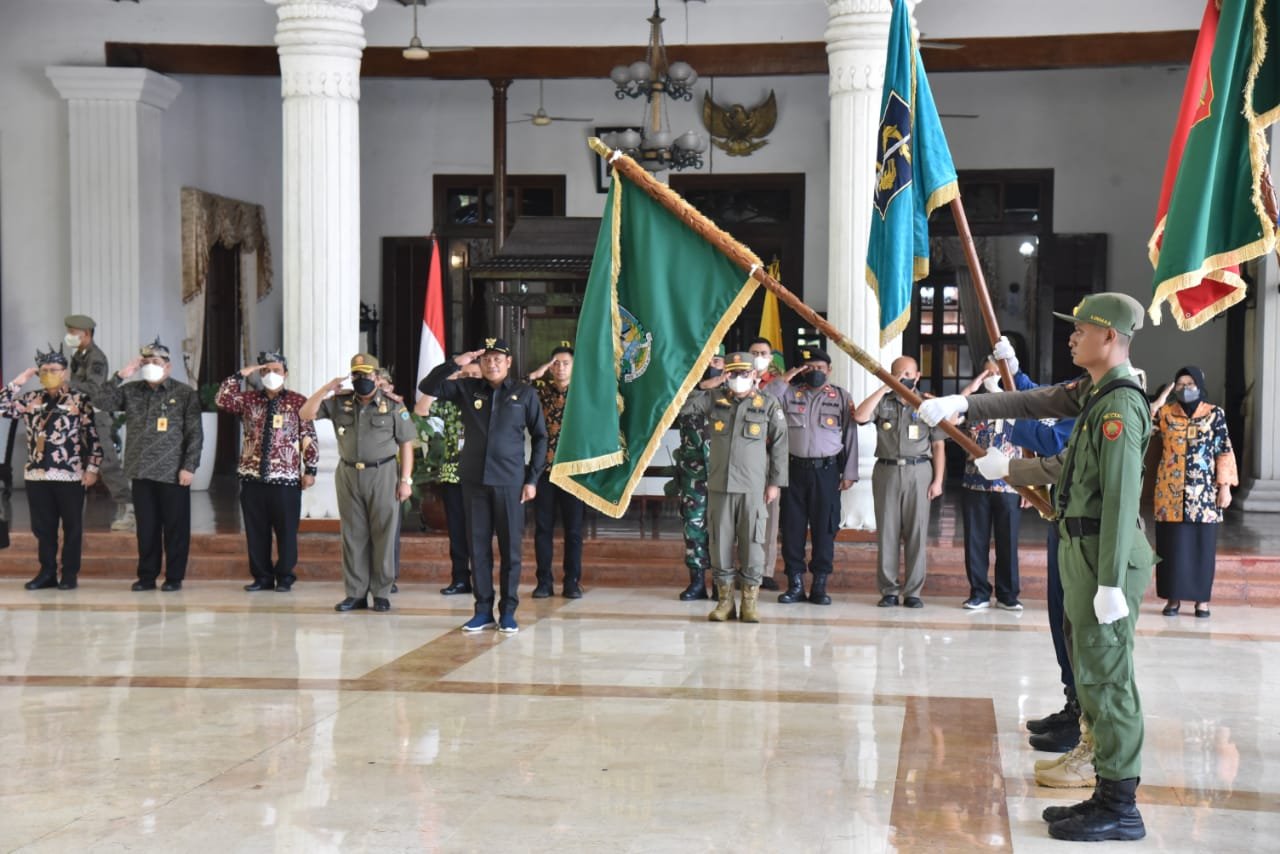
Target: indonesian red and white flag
[431, 348]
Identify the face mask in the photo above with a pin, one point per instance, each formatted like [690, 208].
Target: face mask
[991, 384]
[816, 379]
[910, 383]
[740, 385]
[153, 373]
[72, 341]
[1188, 395]
[712, 373]
[363, 386]
[761, 363]
[51, 381]
[272, 381]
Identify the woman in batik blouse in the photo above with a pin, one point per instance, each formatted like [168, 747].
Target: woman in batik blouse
[1193, 488]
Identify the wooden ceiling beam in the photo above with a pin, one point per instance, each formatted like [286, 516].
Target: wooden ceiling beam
[1095, 50]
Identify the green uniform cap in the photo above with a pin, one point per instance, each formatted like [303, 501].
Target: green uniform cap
[364, 363]
[738, 362]
[79, 321]
[1120, 312]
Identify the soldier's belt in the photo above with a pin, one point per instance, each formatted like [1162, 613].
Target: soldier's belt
[363, 466]
[812, 462]
[1079, 526]
[903, 461]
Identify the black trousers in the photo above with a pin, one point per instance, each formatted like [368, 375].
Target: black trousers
[162, 512]
[455, 515]
[985, 514]
[271, 508]
[810, 503]
[550, 498]
[1058, 612]
[494, 510]
[52, 503]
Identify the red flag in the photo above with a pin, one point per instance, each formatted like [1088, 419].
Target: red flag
[431, 347]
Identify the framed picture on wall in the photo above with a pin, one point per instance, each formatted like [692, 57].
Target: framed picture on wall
[604, 172]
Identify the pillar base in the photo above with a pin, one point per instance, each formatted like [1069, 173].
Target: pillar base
[1259, 496]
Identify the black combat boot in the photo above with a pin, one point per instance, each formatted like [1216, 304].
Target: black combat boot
[1063, 736]
[697, 588]
[1055, 814]
[818, 591]
[795, 589]
[1115, 816]
[1069, 714]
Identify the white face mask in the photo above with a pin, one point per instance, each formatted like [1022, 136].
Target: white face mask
[740, 385]
[153, 373]
[272, 381]
[72, 341]
[761, 363]
[991, 384]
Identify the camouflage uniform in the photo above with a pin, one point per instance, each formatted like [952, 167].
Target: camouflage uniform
[690, 486]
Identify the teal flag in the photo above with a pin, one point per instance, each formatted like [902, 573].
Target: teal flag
[914, 175]
[659, 299]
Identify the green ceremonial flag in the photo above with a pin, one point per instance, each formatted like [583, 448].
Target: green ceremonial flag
[1211, 216]
[658, 301]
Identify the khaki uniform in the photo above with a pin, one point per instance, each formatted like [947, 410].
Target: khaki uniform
[87, 372]
[747, 441]
[369, 437]
[900, 489]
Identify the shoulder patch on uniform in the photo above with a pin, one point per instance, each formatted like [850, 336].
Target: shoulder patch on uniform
[1112, 428]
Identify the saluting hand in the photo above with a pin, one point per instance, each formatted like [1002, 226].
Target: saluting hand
[25, 377]
[336, 383]
[130, 368]
[251, 370]
[465, 359]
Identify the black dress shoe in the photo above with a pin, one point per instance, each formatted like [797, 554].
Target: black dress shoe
[39, 583]
[351, 603]
[888, 601]
[455, 588]
[139, 586]
[284, 586]
[913, 602]
[572, 591]
[1171, 609]
[381, 604]
[171, 587]
[1202, 613]
[67, 584]
[768, 583]
[258, 585]
[542, 591]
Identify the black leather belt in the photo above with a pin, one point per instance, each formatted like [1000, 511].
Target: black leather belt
[903, 461]
[813, 462]
[1079, 526]
[363, 466]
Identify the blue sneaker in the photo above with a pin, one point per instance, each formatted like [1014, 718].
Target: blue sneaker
[507, 625]
[479, 623]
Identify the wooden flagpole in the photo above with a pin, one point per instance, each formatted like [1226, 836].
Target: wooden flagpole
[747, 260]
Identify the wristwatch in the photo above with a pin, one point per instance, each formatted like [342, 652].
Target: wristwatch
[407, 481]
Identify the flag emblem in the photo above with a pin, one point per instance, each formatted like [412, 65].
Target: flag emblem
[637, 347]
[893, 161]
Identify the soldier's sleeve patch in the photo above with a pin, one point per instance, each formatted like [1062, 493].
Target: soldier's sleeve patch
[1112, 428]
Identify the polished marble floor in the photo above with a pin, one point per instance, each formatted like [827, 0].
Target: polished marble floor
[214, 720]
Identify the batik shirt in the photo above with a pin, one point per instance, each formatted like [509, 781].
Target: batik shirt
[163, 434]
[996, 433]
[62, 443]
[279, 447]
[552, 400]
[1195, 459]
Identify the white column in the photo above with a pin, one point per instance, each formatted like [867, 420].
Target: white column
[857, 39]
[117, 207]
[320, 44]
[1261, 483]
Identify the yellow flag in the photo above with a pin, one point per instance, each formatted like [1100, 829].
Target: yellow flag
[770, 322]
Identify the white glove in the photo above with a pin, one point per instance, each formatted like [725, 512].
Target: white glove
[1004, 350]
[994, 465]
[939, 409]
[1109, 605]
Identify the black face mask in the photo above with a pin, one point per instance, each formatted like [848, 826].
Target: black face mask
[712, 373]
[910, 383]
[816, 379]
[363, 386]
[1188, 395]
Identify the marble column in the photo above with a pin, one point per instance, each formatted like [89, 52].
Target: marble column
[1261, 483]
[320, 44]
[117, 207]
[857, 39]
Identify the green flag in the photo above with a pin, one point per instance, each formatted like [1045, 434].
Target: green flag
[1211, 215]
[658, 301]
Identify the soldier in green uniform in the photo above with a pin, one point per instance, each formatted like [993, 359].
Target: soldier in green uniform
[1104, 557]
[690, 485]
[747, 468]
[371, 429]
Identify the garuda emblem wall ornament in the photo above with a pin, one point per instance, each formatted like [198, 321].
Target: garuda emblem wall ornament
[737, 130]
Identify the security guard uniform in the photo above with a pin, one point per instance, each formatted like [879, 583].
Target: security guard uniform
[493, 470]
[1102, 545]
[747, 438]
[87, 372]
[823, 444]
[369, 437]
[900, 489]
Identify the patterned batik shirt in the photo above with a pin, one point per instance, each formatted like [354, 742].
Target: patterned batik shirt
[278, 447]
[163, 434]
[62, 443]
[552, 400]
[1195, 459]
[997, 433]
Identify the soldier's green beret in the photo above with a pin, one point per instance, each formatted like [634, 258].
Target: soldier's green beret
[1120, 312]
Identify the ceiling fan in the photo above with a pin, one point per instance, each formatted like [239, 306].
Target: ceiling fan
[540, 118]
[416, 50]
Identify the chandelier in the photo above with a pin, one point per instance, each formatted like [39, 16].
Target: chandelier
[656, 80]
